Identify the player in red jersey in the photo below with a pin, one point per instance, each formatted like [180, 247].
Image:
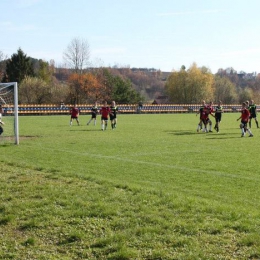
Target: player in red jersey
[104, 111]
[74, 114]
[205, 117]
[245, 115]
[201, 109]
[211, 110]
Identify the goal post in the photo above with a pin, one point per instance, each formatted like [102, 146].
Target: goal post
[9, 111]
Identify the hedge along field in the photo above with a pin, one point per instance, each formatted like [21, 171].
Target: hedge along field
[151, 189]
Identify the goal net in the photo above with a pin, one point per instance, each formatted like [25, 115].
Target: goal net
[9, 127]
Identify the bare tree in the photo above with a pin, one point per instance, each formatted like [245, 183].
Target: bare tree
[3, 59]
[77, 54]
[2, 56]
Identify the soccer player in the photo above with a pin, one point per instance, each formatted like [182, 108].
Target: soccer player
[104, 111]
[211, 110]
[1, 122]
[253, 111]
[94, 111]
[74, 114]
[218, 114]
[1, 112]
[1, 128]
[201, 109]
[113, 113]
[205, 117]
[245, 115]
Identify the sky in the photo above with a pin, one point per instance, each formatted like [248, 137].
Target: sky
[159, 34]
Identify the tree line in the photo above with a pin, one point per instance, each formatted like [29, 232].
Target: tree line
[196, 84]
[41, 82]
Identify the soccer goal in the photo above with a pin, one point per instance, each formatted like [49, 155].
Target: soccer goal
[9, 124]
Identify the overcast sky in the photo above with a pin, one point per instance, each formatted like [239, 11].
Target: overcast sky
[160, 34]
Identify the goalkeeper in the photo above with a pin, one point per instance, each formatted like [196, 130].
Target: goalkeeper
[1, 122]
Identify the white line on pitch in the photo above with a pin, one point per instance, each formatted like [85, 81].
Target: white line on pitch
[152, 164]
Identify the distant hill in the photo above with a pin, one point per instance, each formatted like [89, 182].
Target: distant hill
[149, 82]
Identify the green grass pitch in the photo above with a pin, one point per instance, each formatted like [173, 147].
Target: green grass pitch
[153, 188]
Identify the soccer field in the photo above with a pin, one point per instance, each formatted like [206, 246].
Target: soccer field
[153, 188]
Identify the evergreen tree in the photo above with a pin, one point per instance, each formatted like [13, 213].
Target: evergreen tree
[44, 71]
[119, 88]
[18, 67]
[123, 91]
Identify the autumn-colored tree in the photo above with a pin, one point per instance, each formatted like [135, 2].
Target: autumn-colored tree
[256, 89]
[116, 87]
[91, 87]
[190, 86]
[105, 79]
[60, 92]
[245, 94]
[84, 87]
[175, 86]
[76, 83]
[34, 90]
[225, 90]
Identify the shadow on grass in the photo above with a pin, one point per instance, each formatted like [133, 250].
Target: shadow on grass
[224, 137]
[212, 135]
[85, 130]
[6, 144]
[184, 132]
[30, 136]
[227, 136]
